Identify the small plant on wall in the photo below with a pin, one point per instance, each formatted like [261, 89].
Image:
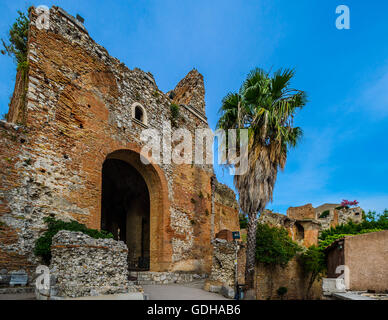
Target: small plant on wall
[346, 204]
[175, 114]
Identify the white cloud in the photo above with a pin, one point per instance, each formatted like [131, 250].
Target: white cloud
[374, 96]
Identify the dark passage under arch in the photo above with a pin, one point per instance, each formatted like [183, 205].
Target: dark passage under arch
[125, 210]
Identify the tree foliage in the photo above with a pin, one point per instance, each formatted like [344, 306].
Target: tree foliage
[243, 219]
[43, 244]
[324, 214]
[265, 105]
[281, 292]
[314, 263]
[175, 113]
[274, 246]
[372, 222]
[17, 40]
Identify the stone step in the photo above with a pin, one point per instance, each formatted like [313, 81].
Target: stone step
[151, 278]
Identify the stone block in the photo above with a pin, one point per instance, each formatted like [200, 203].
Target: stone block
[227, 292]
[215, 289]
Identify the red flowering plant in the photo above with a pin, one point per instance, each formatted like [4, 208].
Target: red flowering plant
[347, 204]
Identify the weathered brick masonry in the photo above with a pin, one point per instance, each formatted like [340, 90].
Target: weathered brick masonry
[80, 110]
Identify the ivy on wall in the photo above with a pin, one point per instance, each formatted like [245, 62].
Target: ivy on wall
[274, 246]
[43, 244]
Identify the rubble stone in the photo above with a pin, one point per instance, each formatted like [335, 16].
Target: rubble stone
[84, 266]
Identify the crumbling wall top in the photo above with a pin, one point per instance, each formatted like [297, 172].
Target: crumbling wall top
[190, 91]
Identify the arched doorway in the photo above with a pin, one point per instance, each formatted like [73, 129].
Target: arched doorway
[160, 248]
[125, 210]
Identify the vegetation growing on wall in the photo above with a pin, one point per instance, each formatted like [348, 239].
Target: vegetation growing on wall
[274, 246]
[175, 114]
[281, 292]
[17, 41]
[314, 263]
[372, 222]
[43, 244]
[16, 47]
[324, 214]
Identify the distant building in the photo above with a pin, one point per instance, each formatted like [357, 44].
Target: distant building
[305, 223]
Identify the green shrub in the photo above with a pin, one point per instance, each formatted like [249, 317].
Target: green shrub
[243, 218]
[281, 291]
[18, 38]
[43, 244]
[331, 238]
[372, 222]
[274, 246]
[324, 214]
[175, 113]
[314, 263]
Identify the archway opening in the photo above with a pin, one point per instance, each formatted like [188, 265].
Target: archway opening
[299, 232]
[139, 114]
[125, 210]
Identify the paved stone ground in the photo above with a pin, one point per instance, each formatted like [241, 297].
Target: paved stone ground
[357, 295]
[187, 291]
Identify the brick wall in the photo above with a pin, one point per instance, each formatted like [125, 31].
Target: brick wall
[78, 112]
[269, 279]
[303, 212]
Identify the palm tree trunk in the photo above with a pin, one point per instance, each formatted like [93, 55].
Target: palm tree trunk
[250, 257]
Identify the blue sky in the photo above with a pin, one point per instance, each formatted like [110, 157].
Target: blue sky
[343, 154]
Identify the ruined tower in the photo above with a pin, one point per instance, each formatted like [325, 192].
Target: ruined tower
[71, 150]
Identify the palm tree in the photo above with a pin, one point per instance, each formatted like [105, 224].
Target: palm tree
[266, 106]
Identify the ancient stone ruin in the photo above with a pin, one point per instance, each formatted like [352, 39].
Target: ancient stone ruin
[83, 266]
[70, 150]
[305, 223]
[223, 269]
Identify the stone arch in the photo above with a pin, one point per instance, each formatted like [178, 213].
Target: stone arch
[299, 235]
[160, 247]
[139, 113]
